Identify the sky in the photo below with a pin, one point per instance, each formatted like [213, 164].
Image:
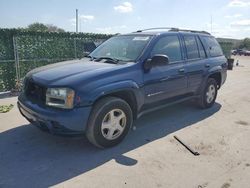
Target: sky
[229, 18]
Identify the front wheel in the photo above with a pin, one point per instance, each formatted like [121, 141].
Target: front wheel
[209, 94]
[109, 122]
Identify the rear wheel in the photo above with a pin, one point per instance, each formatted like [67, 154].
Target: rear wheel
[209, 94]
[109, 122]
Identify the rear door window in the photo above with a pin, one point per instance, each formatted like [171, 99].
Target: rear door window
[170, 46]
[191, 46]
[212, 46]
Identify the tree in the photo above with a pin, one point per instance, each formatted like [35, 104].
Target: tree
[244, 44]
[53, 28]
[37, 27]
[44, 28]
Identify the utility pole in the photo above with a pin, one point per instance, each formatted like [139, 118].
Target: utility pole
[76, 32]
[80, 25]
[76, 20]
[211, 24]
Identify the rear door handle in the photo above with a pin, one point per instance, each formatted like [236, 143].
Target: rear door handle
[181, 70]
[207, 65]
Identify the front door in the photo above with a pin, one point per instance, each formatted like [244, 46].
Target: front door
[169, 81]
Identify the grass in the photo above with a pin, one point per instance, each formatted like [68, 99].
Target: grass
[6, 108]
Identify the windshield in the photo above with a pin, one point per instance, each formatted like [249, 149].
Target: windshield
[123, 48]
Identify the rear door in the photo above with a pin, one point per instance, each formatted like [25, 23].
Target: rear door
[196, 61]
[216, 58]
[165, 82]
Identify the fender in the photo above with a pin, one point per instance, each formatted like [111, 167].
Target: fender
[216, 69]
[108, 89]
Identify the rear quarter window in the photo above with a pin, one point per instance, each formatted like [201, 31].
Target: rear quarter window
[212, 46]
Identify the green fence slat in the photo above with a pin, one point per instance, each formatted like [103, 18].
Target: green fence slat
[37, 49]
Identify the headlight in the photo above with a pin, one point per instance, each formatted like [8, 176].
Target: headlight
[60, 97]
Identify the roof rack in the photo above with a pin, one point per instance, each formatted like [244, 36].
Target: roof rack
[173, 29]
[188, 30]
[155, 28]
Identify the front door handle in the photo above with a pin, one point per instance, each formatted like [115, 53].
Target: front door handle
[181, 70]
[207, 65]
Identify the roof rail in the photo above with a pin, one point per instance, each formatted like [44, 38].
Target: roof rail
[188, 30]
[155, 28]
[172, 29]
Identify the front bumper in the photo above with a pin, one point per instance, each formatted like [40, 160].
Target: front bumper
[55, 121]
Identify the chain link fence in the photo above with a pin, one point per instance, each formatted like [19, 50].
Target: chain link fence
[226, 48]
[22, 51]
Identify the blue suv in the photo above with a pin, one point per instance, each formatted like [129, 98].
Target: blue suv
[125, 77]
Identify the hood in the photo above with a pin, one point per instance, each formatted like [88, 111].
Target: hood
[67, 71]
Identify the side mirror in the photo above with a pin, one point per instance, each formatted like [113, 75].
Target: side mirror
[157, 60]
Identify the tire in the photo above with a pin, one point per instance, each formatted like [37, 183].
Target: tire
[109, 115]
[209, 94]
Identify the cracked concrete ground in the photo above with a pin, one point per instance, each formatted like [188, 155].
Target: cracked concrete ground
[149, 156]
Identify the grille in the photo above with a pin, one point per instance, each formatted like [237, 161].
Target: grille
[35, 92]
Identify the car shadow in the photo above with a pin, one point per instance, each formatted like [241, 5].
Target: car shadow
[31, 158]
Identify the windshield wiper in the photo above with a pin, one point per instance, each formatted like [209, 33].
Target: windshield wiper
[91, 57]
[114, 60]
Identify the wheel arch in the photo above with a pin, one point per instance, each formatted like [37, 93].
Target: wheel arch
[127, 90]
[127, 95]
[217, 76]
